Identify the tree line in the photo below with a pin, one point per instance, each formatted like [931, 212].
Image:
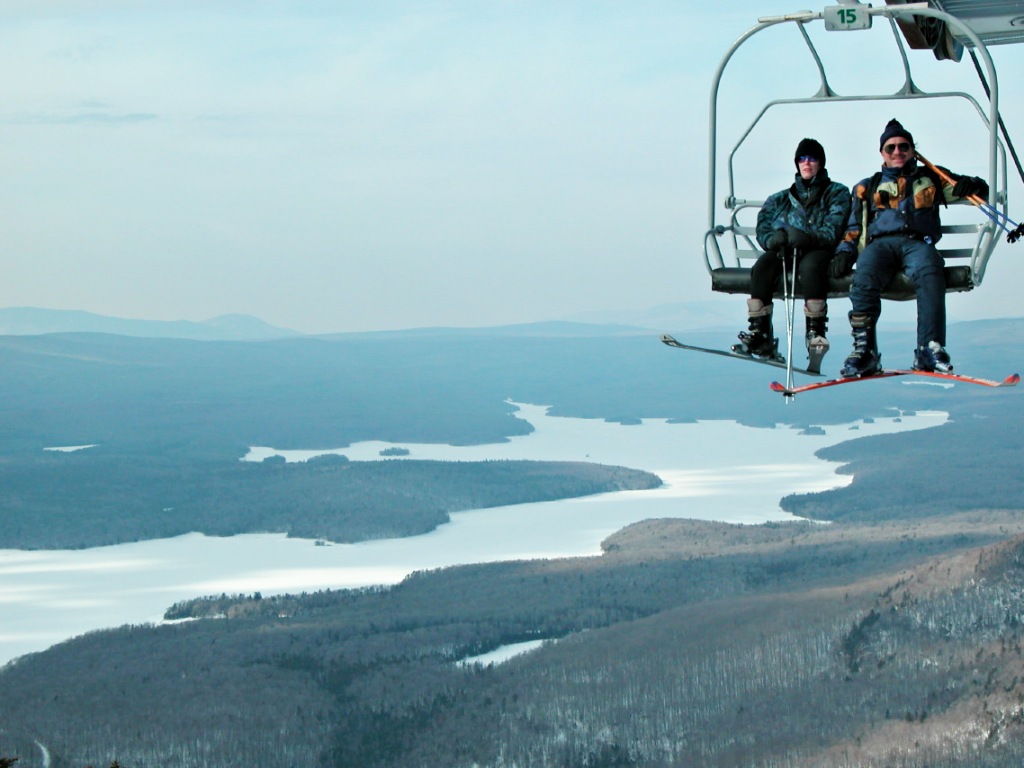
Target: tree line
[73, 500]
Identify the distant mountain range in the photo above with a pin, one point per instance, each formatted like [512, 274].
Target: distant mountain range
[31, 321]
[725, 314]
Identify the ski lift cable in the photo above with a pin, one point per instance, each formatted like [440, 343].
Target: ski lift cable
[1002, 125]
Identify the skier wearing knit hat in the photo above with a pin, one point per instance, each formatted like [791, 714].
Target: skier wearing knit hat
[894, 225]
[806, 219]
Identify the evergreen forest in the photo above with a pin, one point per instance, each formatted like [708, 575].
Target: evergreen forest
[889, 635]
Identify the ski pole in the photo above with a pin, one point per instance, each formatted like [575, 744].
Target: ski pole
[789, 299]
[995, 215]
[976, 199]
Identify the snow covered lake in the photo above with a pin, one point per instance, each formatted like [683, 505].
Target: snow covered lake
[712, 471]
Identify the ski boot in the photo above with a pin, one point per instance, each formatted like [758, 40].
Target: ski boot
[864, 359]
[932, 358]
[816, 317]
[759, 339]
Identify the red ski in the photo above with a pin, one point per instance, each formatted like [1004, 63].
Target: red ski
[1009, 381]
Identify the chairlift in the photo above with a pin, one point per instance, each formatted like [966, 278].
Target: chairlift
[947, 27]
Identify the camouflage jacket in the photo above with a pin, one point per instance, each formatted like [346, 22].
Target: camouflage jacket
[820, 207]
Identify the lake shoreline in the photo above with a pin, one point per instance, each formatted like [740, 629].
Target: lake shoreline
[711, 471]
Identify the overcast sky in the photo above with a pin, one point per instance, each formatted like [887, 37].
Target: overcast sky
[356, 165]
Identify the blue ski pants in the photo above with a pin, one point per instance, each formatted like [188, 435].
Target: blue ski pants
[877, 264]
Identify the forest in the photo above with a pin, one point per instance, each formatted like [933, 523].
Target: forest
[686, 643]
[889, 637]
[76, 500]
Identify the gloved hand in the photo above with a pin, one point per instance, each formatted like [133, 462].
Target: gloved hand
[970, 185]
[776, 241]
[842, 263]
[797, 238]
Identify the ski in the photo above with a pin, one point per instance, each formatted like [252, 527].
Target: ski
[1009, 381]
[672, 342]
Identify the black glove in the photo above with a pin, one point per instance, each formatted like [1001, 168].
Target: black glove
[799, 239]
[970, 185]
[776, 241]
[842, 263]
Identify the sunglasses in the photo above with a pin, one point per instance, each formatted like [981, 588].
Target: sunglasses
[903, 146]
[806, 159]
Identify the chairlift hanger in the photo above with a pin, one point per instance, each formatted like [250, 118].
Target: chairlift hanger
[734, 277]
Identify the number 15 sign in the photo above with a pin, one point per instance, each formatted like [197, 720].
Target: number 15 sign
[845, 17]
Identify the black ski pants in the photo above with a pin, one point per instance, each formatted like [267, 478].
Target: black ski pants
[812, 275]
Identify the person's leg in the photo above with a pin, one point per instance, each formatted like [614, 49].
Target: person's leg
[924, 266]
[759, 338]
[763, 277]
[813, 270]
[875, 268]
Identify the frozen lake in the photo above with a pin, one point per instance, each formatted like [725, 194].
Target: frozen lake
[712, 471]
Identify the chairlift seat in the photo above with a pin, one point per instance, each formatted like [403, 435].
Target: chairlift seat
[737, 280]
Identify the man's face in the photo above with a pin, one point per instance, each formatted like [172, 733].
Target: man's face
[897, 151]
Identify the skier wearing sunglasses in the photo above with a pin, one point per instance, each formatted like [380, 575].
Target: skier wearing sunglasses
[894, 225]
[809, 217]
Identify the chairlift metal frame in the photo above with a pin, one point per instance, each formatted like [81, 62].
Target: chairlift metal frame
[733, 276]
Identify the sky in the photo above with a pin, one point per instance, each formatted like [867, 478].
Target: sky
[337, 165]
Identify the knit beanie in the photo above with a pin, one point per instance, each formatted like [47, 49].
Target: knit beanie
[894, 128]
[810, 148]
